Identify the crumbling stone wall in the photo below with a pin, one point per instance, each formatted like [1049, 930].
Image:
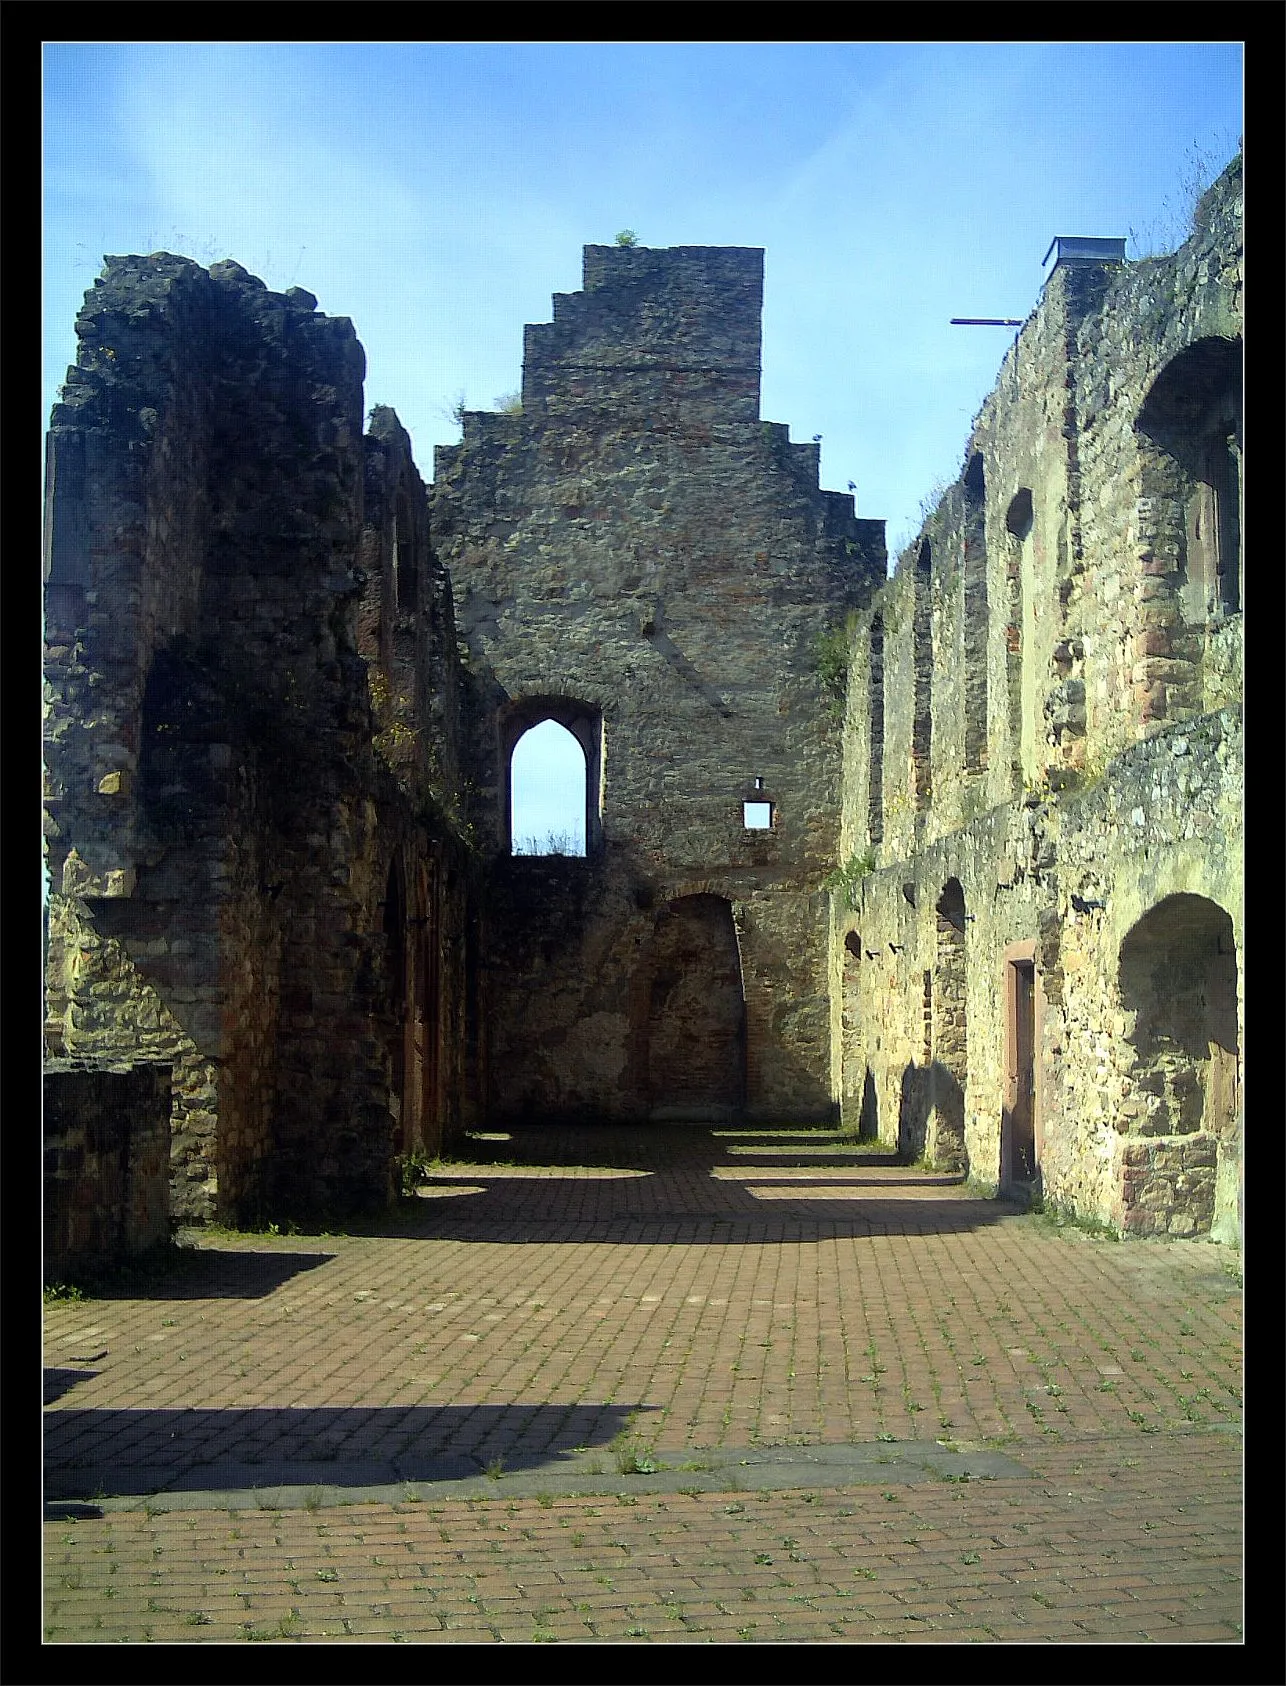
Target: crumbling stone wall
[1110, 784]
[406, 633]
[220, 814]
[638, 555]
[278, 816]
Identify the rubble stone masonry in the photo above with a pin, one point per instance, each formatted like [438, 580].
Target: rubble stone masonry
[639, 556]
[990, 912]
[1101, 830]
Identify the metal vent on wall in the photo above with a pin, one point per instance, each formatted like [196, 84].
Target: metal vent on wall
[1085, 248]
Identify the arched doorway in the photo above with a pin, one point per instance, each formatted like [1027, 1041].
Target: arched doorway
[1021, 1134]
[395, 951]
[695, 1038]
[1178, 980]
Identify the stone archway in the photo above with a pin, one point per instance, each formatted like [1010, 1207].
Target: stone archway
[945, 1146]
[1178, 982]
[696, 1017]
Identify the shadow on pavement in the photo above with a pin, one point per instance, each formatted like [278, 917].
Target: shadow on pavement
[686, 1183]
[91, 1454]
[208, 1272]
[515, 1216]
[58, 1382]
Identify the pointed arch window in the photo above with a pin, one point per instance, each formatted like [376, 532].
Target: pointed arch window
[547, 792]
[553, 786]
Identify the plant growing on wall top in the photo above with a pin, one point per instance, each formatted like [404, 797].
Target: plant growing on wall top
[1177, 218]
[627, 237]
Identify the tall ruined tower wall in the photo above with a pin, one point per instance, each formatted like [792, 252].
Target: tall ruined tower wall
[219, 826]
[638, 543]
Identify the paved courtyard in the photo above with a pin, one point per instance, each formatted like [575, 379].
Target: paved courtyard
[659, 1385]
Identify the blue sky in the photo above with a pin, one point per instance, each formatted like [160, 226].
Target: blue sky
[438, 194]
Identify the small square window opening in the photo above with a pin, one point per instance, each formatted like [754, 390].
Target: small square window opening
[758, 815]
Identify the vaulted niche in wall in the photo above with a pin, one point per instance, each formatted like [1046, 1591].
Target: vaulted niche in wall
[553, 756]
[695, 1032]
[975, 615]
[875, 783]
[1178, 983]
[946, 1140]
[1191, 426]
[853, 1065]
[922, 655]
[1018, 525]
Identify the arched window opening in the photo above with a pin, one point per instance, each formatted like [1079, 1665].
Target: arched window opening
[551, 800]
[1192, 414]
[951, 905]
[1018, 517]
[548, 788]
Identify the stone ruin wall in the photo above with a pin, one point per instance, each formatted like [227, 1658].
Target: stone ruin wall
[220, 822]
[278, 813]
[638, 543]
[1112, 769]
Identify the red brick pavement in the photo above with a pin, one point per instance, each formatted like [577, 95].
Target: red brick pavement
[696, 1291]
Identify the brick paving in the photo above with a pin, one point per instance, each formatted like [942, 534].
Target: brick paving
[309, 1437]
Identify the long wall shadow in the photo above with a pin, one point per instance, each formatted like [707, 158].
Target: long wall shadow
[92, 1453]
[675, 1194]
[207, 1272]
